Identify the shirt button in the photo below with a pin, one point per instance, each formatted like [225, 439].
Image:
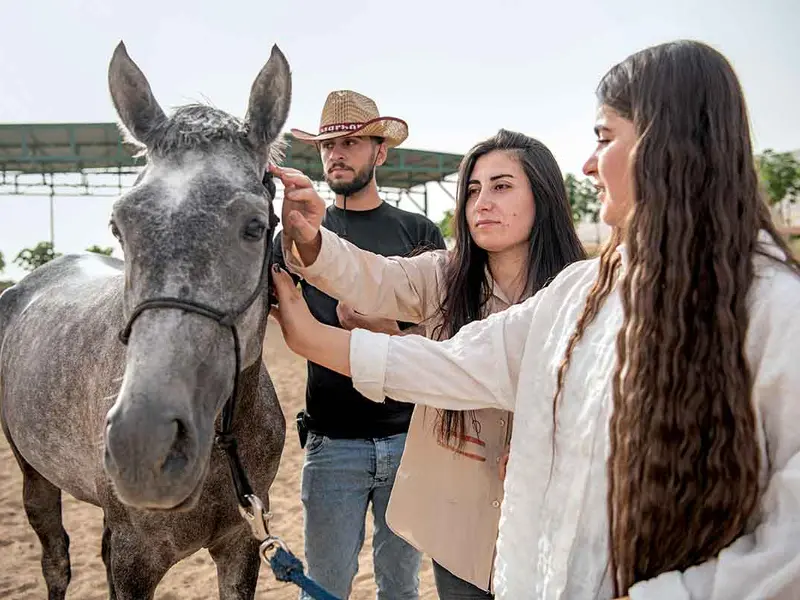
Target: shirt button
[496, 504]
[502, 423]
[498, 459]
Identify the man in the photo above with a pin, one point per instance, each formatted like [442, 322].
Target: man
[353, 446]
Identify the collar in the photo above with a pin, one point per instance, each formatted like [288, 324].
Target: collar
[497, 291]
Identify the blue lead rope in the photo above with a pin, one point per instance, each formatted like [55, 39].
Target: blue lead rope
[287, 567]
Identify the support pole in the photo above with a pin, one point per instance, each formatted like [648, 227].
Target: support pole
[52, 214]
[446, 191]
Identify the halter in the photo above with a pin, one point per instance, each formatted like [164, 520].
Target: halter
[224, 436]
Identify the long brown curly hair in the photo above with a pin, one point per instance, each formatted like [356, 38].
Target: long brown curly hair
[683, 469]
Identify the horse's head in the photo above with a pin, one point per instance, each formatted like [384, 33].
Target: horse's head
[193, 228]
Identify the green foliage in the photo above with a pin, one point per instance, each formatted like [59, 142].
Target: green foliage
[780, 174]
[33, 258]
[446, 224]
[98, 250]
[4, 283]
[583, 200]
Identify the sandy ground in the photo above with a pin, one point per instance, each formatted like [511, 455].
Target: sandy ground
[195, 577]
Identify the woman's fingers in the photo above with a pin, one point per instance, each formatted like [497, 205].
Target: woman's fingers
[302, 231]
[285, 288]
[290, 177]
[275, 313]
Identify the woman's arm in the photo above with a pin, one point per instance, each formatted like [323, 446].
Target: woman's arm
[395, 287]
[477, 368]
[404, 289]
[764, 563]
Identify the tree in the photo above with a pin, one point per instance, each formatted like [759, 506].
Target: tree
[446, 224]
[591, 205]
[582, 197]
[32, 258]
[574, 197]
[108, 250]
[780, 175]
[4, 283]
[583, 200]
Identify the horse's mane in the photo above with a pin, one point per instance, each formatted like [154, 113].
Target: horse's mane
[198, 127]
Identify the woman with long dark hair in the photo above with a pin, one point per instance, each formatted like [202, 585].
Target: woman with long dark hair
[513, 233]
[656, 447]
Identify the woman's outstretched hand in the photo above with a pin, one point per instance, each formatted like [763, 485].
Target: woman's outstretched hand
[314, 341]
[292, 313]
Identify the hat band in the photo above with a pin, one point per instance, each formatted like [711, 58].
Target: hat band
[340, 127]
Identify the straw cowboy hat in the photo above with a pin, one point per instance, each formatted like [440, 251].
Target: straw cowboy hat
[349, 113]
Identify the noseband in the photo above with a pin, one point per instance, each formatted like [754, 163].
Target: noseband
[224, 436]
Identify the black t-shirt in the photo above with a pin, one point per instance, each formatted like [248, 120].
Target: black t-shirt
[333, 407]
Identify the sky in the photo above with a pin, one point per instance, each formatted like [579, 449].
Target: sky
[455, 70]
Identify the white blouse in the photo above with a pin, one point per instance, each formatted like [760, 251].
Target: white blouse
[553, 537]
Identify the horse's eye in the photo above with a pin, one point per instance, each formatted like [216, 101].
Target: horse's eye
[254, 230]
[115, 231]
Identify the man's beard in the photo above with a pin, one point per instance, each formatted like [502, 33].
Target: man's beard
[360, 181]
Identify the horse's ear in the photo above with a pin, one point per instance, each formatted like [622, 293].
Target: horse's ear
[270, 98]
[133, 99]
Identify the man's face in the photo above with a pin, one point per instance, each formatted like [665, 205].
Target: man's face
[349, 162]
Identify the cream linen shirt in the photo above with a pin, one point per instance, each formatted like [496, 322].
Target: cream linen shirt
[444, 502]
[553, 539]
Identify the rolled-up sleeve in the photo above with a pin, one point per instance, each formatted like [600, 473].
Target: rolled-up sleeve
[479, 367]
[765, 563]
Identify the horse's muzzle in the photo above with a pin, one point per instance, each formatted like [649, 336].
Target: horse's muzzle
[151, 457]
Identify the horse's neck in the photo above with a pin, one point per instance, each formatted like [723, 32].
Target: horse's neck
[248, 391]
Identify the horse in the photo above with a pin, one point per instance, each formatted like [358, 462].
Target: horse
[114, 373]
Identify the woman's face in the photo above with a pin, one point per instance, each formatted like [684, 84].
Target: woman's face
[609, 166]
[500, 209]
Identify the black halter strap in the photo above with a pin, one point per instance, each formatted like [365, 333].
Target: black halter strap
[224, 436]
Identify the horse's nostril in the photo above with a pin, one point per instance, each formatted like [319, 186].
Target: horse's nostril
[108, 460]
[178, 456]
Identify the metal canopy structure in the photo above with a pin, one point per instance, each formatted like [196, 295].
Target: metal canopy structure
[88, 159]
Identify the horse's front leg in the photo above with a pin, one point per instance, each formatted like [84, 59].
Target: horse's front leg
[135, 565]
[237, 561]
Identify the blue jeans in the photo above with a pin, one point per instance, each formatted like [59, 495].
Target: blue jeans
[340, 479]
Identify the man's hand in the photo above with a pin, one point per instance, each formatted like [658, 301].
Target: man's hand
[350, 319]
[302, 212]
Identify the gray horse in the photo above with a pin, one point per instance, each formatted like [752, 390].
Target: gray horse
[130, 428]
